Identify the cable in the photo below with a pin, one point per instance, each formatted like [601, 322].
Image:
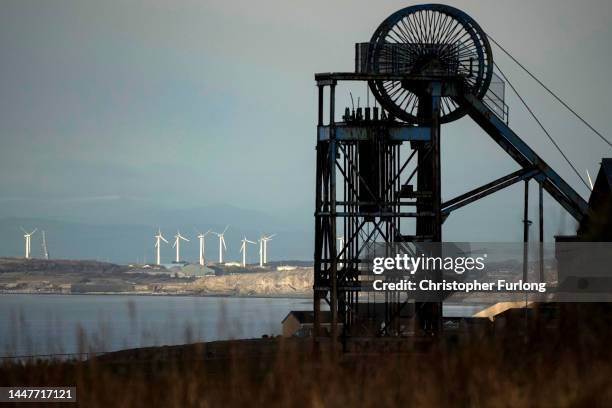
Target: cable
[540, 124]
[602, 137]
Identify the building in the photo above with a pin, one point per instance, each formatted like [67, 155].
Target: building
[598, 226]
[299, 323]
[585, 269]
[286, 268]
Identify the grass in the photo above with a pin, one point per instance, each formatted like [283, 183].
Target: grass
[565, 362]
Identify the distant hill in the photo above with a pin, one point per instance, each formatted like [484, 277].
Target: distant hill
[18, 275]
[60, 265]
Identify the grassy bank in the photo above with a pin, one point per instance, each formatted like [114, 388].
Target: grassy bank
[568, 363]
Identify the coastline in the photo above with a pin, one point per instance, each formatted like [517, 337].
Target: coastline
[152, 294]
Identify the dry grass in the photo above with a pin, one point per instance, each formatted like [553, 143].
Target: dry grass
[567, 365]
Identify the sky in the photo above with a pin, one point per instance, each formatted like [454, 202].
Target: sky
[192, 103]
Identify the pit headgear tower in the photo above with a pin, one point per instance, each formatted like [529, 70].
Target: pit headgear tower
[378, 168]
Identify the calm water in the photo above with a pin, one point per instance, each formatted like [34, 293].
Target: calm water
[46, 324]
[50, 324]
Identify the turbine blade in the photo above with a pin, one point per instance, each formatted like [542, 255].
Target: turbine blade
[225, 229]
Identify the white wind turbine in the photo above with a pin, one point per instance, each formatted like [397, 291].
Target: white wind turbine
[202, 238]
[263, 248]
[590, 180]
[44, 245]
[158, 238]
[243, 249]
[261, 245]
[340, 248]
[28, 242]
[222, 245]
[177, 245]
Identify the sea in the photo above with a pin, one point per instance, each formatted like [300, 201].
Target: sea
[66, 325]
[37, 324]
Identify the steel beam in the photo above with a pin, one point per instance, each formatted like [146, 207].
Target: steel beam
[327, 78]
[487, 189]
[525, 156]
[526, 223]
[541, 211]
[398, 133]
[332, 225]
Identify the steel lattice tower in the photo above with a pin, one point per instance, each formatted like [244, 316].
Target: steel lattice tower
[378, 169]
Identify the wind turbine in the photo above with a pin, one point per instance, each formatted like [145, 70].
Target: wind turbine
[177, 245]
[222, 245]
[261, 245]
[264, 240]
[590, 180]
[340, 248]
[44, 245]
[203, 246]
[243, 249]
[159, 237]
[28, 242]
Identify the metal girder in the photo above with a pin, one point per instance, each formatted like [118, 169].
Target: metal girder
[327, 78]
[381, 214]
[524, 155]
[403, 133]
[487, 189]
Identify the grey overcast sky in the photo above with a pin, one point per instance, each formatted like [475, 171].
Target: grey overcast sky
[188, 103]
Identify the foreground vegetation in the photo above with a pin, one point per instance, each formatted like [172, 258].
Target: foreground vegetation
[561, 362]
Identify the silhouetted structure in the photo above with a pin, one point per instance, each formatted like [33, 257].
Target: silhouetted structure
[378, 168]
[598, 226]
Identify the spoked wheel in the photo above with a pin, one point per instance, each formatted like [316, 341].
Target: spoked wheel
[428, 40]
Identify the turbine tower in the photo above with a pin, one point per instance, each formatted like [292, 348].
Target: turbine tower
[243, 249]
[340, 248]
[261, 245]
[222, 245]
[44, 245]
[177, 245]
[265, 239]
[28, 242]
[159, 237]
[203, 246]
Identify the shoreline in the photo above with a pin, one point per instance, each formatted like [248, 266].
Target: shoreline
[280, 296]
